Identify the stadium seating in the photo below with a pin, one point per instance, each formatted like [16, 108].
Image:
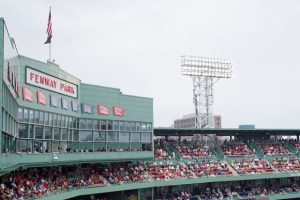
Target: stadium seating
[236, 149]
[194, 162]
[210, 168]
[252, 166]
[272, 148]
[286, 164]
[193, 151]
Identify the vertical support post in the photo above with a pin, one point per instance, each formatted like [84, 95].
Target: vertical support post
[152, 189]
[1, 74]
[139, 194]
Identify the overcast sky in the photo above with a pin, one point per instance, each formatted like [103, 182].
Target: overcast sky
[136, 46]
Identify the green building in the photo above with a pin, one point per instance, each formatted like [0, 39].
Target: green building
[49, 116]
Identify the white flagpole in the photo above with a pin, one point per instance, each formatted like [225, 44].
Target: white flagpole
[50, 51]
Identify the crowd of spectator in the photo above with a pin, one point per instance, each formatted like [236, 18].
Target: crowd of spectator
[252, 166]
[236, 149]
[249, 191]
[33, 183]
[160, 153]
[286, 164]
[209, 168]
[37, 182]
[272, 148]
[193, 151]
[160, 171]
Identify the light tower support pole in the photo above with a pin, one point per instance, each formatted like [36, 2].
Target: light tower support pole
[203, 100]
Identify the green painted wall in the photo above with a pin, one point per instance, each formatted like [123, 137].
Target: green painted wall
[137, 108]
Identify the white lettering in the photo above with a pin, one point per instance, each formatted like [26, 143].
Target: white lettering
[49, 82]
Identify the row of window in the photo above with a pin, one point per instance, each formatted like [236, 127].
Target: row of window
[47, 146]
[45, 118]
[9, 124]
[64, 134]
[51, 119]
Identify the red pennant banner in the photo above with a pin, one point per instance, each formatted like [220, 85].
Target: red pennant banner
[27, 95]
[118, 111]
[41, 98]
[102, 110]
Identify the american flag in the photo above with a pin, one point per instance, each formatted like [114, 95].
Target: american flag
[49, 29]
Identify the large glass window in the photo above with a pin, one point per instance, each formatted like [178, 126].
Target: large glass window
[54, 120]
[103, 124]
[132, 126]
[76, 123]
[85, 136]
[25, 115]
[149, 127]
[76, 136]
[46, 118]
[23, 146]
[127, 126]
[50, 119]
[135, 137]
[109, 125]
[38, 132]
[138, 126]
[70, 122]
[31, 131]
[82, 124]
[36, 117]
[99, 136]
[23, 131]
[70, 135]
[64, 134]
[56, 134]
[31, 116]
[56, 146]
[124, 137]
[58, 120]
[89, 124]
[96, 124]
[146, 137]
[63, 121]
[41, 117]
[122, 126]
[112, 136]
[116, 125]
[48, 133]
[20, 114]
[144, 127]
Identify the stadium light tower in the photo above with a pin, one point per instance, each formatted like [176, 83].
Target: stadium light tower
[204, 72]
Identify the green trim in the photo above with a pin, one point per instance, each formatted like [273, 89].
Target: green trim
[142, 185]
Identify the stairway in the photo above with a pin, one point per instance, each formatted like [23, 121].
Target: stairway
[217, 152]
[258, 152]
[290, 147]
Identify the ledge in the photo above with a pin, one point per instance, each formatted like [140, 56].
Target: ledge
[11, 162]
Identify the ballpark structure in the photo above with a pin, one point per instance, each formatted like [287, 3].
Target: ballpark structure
[61, 139]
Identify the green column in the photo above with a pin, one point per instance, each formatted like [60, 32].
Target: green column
[1, 72]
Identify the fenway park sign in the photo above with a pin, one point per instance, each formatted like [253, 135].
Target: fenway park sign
[46, 81]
